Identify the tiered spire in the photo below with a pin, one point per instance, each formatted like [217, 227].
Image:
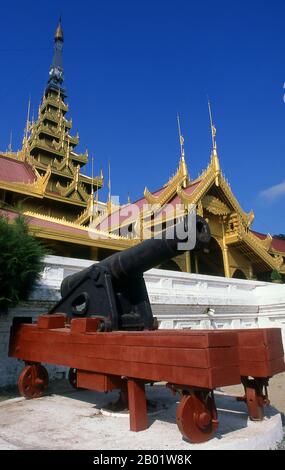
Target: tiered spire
[50, 147]
[56, 77]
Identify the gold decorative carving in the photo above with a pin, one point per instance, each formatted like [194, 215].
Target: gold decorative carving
[82, 191]
[151, 199]
[177, 180]
[266, 242]
[248, 218]
[84, 217]
[215, 205]
[41, 182]
[279, 261]
[205, 182]
[275, 262]
[75, 196]
[199, 209]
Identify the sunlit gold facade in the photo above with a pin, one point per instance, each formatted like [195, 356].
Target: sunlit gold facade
[45, 178]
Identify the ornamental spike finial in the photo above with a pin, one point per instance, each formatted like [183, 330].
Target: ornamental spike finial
[55, 80]
[214, 156]
[92, 176]
[109, 182]
[181, 138]
[213, 128]
[182, 153]
[59, 33]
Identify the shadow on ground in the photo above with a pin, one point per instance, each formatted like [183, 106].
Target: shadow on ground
[232, 414]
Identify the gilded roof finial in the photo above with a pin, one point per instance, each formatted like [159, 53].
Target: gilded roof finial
[67, 152]
[59, 33]
[56, 78]
[10, 142]
[97, 198]
[91, 213]
[92, 176]
[215, 159]
[213, 128]
[26, 132]
[181, 138]
[109, 182]
[77, 172]
[182, 153]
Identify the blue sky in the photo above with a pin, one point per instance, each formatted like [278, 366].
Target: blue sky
[130, 66]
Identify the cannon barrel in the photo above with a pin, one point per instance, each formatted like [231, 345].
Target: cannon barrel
[114, 290]
[152, 252]
[155, 251]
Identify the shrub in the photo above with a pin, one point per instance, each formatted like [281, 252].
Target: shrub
[21, 261]
[275, 276]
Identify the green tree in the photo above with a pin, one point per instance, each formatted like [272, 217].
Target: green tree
[21, 261]
[275, 276]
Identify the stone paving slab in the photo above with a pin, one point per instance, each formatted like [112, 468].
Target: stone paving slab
[74, 420]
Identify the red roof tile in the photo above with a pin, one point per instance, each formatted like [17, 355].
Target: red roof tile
[131, 211]
[43, 223]
[15, 171]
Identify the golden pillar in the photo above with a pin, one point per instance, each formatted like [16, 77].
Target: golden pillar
[250, 272]
[225, 253]
[226, 261]
[188, 261]
[94, 253]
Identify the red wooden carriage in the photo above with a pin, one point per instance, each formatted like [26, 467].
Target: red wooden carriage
[191, 362]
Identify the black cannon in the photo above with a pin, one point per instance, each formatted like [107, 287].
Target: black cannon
[114, 289]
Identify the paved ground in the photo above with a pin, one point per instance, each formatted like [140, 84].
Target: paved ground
[276, 391]
[74, 420]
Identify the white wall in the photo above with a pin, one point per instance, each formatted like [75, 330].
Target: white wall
[179, 300]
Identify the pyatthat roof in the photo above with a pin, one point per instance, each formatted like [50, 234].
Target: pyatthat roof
[15, 171]
[44, 222]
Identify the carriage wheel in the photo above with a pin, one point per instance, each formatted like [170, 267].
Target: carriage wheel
[33, 381]
[196, 416]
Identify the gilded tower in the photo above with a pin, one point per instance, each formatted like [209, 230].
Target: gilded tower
[49, 147]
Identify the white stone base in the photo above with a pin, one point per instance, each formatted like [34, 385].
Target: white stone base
[73, 422]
